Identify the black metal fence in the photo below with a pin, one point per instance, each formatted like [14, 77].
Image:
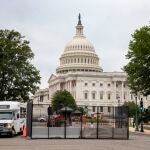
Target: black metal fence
[97, 122]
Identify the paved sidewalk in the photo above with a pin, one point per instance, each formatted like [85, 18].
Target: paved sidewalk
[135, 142]
[146, 132]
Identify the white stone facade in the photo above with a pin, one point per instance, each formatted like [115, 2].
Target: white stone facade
[93, 89]
[41, 97]
[80, 74]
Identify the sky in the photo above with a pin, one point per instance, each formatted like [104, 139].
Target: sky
[50, 24]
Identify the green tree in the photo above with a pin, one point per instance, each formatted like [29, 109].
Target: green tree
[63, 99]
[132, 108]
[18, 77]
[138, 68]
[82, 110]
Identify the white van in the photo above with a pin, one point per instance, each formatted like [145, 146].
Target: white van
[12, 117]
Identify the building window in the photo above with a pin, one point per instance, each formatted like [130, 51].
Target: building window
[93, 108]
[86, 84]
[101, 84]
[109, 96]
[85, 95]
[108, 84]
[124, 95]
[116, 85]
[109, 109]
[101, 95]
[93, 95]
[124, 85]
[101, 108]
[93, 84]
[41, 98]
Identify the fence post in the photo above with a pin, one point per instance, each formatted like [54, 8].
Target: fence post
[97, 120]
[81, 127]
[127, 122]
[29, 119]
[65, 123]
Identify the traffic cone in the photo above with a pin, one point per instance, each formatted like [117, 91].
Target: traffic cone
[24, 132]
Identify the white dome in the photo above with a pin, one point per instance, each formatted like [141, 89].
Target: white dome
[79, 43]
[79, 54]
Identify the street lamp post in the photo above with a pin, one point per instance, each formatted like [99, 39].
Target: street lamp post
[136, 116]
[142, 122]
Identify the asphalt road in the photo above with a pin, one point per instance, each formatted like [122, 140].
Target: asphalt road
[136, 142]
[74, 132]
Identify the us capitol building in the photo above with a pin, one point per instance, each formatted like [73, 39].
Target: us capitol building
[81, 74]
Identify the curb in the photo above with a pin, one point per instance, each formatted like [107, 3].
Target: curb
[139, 133]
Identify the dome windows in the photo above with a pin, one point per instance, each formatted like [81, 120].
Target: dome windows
[86, 84]
[93, 84]
[80, 46]
[101, 84]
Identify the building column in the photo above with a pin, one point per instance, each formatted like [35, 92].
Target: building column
[122, 91]
[115, 91]
[58, 86]
[70, 86]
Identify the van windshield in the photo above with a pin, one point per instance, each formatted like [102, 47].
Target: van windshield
[6, 116]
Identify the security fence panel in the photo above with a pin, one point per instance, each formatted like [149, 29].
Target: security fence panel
[105, 121]
[89, 125]
[74, 125]
[39, 121]
[93, 122]
[56, 125]
[121, 123]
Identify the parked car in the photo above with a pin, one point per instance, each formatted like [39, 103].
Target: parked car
[42, 119]
[55, 121]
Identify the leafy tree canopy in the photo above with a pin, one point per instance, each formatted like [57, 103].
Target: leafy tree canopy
[18, 77]
[138, 69]
[63, 99]
[132, 108]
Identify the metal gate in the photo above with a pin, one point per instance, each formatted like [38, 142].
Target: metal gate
[97, 122]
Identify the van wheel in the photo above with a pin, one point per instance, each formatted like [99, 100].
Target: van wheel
[13, 132]
[21, 131]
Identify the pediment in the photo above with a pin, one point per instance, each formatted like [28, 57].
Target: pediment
[52, 77]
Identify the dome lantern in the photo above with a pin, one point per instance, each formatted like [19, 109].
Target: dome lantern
[79, 27]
